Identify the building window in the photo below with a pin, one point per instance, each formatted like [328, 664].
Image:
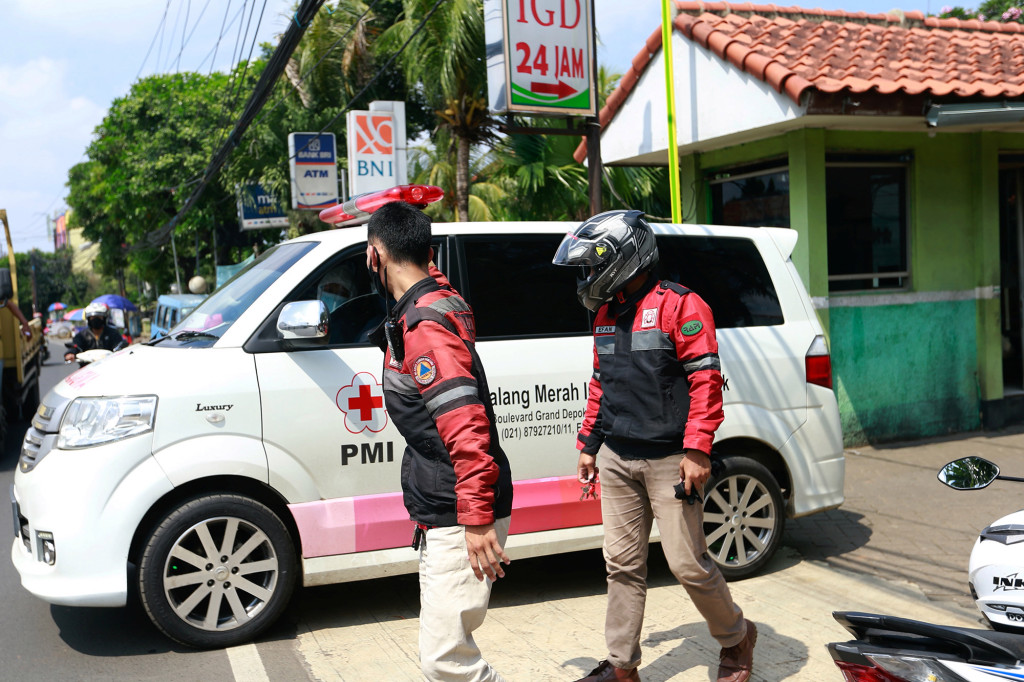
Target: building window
[751, 197]
[866, 203]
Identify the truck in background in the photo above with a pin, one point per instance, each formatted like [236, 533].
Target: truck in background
[21, 358]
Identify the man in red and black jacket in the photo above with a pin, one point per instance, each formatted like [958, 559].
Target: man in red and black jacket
[655, 402]
[456, 480]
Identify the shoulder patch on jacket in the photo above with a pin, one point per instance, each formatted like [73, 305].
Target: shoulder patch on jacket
[424, 370]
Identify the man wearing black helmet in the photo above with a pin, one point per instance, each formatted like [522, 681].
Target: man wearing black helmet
[655, 402]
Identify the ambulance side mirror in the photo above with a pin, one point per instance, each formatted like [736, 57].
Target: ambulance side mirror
[304, 321]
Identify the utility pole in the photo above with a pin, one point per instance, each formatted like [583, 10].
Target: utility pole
[35, 292]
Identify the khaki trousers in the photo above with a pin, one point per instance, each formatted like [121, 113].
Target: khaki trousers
[453, 603]
[633, 494]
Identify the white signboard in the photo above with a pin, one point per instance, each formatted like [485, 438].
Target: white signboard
[314, 170]
[377, 148]
[540, 56]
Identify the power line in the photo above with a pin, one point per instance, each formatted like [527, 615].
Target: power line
[174, 29]
[185, 41]
[264, 87]
[302, 79]
[184, 27]
[153, 42]
[220, 36]
[377, 75]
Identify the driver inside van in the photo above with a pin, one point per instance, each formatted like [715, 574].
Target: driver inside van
[334, 289]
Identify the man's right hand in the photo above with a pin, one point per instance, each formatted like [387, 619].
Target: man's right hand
[586, 468]
[68, 357]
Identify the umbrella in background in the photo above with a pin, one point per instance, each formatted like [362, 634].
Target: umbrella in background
[115, 301]
[56, 306]
[76, 315]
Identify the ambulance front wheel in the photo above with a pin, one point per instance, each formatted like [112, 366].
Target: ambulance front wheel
[217, 571]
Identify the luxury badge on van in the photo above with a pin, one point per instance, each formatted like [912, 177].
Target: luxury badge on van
[691, 327]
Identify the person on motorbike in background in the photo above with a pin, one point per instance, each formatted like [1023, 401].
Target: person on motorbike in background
[98, 334]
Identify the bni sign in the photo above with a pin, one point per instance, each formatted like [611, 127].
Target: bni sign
[376, 147]
[314, 170]
[540, 56]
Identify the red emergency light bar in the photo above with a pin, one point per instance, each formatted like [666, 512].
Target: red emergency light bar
[357, 210]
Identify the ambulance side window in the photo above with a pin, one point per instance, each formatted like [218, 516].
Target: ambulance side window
[728, 273]
[516, 291]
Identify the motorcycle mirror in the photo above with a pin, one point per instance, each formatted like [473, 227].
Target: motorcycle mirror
[969, 473]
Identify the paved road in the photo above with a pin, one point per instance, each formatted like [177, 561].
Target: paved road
[899, 544]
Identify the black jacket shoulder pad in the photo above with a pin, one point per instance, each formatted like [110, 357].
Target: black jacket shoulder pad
[677, 288]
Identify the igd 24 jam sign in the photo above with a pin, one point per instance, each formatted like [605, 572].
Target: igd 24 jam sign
[548, 55]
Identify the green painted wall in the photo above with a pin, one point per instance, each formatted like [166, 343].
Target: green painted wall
[905, 371]
[915, 366]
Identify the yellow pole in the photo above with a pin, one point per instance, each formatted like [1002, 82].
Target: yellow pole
[673, 149]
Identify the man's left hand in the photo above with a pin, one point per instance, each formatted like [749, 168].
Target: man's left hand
[485, 552]
[26, 330]
[694, 470]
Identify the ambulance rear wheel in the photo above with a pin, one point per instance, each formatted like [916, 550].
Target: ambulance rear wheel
[217, 571]
[744, 517]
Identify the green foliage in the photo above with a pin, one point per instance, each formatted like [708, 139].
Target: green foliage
[991, 10]
[147, 156]
[54, 279]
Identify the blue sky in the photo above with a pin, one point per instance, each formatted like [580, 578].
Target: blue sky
[62, 62]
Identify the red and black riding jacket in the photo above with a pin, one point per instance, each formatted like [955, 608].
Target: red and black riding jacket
[657, 383]
[454, 471]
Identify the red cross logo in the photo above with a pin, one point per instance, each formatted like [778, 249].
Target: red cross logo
[365, 403]
[362, 401]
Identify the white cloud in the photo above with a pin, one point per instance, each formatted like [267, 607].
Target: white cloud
[44, 130]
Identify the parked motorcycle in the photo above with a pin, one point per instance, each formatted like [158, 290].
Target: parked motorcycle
[893, 649]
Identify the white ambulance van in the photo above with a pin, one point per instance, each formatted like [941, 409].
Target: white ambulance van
[249, 450]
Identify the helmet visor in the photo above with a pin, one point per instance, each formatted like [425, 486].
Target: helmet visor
[577, 250]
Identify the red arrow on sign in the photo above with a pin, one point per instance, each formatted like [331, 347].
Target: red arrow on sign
[560, 89]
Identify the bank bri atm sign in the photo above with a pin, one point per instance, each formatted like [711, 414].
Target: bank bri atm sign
[314, 170]
[540, 56]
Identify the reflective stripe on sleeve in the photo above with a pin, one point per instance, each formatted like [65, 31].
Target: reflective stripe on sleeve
[451, 394]
[400, 383]
[709, 361]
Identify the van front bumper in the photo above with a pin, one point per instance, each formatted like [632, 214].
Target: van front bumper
[88, 503]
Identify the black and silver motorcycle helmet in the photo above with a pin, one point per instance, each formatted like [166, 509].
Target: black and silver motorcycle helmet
[610, 249]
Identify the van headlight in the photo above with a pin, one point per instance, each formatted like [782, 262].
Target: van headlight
[92, 421]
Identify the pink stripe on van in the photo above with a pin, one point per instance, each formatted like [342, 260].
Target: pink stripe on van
[369, 522]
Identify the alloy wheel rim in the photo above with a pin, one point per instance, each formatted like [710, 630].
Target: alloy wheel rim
[739, 520]
[220, 574]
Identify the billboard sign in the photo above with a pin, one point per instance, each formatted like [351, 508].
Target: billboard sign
[545, 61]
[376, 148]
[258, 210]
[314, 170]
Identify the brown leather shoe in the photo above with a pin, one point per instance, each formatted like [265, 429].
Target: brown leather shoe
[735, 662]
[606, 672]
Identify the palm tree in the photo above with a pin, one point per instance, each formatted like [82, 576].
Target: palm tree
[432, 165]
[444, 61]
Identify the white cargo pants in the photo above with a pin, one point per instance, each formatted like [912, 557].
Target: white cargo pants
[453, 603]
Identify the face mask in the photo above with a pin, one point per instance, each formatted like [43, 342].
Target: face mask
[332, 301]
[96, 323]
[376, 285]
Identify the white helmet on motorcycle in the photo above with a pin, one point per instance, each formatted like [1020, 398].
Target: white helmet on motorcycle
[101, 310]
[996, 573]
[610, 249]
